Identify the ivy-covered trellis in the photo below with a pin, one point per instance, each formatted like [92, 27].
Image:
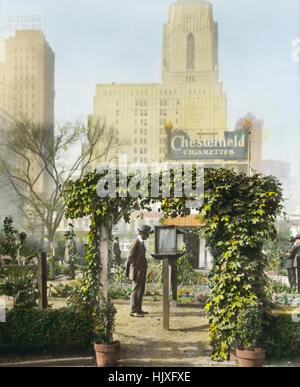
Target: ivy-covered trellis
[82, 200]
[239, 212]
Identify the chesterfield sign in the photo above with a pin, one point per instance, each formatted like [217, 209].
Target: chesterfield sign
[233, 146]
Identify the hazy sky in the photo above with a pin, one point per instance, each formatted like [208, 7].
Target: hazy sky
[99, 41]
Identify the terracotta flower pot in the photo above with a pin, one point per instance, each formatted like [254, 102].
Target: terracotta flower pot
[251, 358]
[107, 354]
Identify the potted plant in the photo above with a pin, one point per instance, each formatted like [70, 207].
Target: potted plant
[104, 325]
[249, 330]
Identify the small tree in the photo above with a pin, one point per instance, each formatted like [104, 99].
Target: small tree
[35, 161]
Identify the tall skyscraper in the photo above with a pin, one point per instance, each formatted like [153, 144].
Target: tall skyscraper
[190, 94]
[26, 95]
[27, 77]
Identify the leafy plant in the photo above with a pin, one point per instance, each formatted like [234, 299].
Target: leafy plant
[19, 280]
[81, 295]
[13, 240]
[104, 323]
[28, 331]
[249, 328]
[273, 286]
[239, 212]
[120, 286]
[154, 272]
[62, 290]
[275, 251]
[187, 276]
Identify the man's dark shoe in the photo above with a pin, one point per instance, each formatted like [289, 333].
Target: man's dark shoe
[136, 315]
[143, 312]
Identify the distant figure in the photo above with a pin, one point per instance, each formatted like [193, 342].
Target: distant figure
[136, 269]
[295, 255]
[117, 251]
[290, 264]
[70, 252]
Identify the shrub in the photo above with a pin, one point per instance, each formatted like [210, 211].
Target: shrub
[61, 290]
[104, 323]
[249, 326]
[39, 331]
[281, 337]
[186, 274]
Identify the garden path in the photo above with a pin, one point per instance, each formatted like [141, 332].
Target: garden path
[144, 342]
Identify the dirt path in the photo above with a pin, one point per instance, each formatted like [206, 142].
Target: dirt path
[144, 342]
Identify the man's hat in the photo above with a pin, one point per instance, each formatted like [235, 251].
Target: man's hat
[145, 229]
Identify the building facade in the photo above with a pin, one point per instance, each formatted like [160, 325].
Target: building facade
[27, 77]
[26, 95]
[190, 94]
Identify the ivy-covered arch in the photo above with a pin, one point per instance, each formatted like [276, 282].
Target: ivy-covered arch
[240, 213]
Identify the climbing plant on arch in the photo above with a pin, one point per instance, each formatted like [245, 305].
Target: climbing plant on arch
[239, 213]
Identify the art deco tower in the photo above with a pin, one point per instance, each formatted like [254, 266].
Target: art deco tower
[190, 94]
[190, 58]
[190, 43]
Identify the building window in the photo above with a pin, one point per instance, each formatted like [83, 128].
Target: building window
[190, 52]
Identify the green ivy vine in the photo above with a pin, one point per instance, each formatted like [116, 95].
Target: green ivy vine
[239, 211]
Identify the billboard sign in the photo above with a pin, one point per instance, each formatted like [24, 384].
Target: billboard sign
[233, 146]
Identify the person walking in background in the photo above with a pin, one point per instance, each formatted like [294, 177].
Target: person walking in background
[117, 251]
[290, 267]
[136, 270]
[70, 252]
[295, 256]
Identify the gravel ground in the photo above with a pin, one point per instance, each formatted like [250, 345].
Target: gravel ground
[144, 342]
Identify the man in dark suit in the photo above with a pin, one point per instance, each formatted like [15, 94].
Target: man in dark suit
[136, 269]
[290, 266]
[294, 256]
[117, 251]
[70, 252]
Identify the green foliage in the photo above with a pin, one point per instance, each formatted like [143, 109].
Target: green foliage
[239, 213]
[154, 272]
[13, 240]
[249, 327]
[104, 323]
[61, 290]
[81, 295]
[28, 331]
[120, 286]
[86, 293]
[82, 199]
[186, 274]
[281, 337]
[18, 281]
[275, 250]
[276, 287]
